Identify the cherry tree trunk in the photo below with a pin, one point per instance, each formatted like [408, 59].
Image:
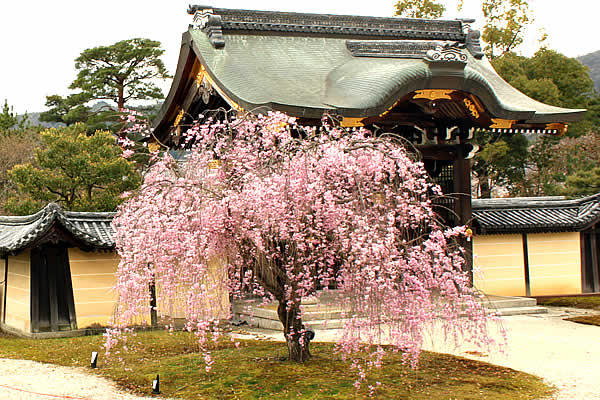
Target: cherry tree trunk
[294, 331]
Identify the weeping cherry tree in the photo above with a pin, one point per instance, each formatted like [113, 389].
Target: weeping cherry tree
[285, 210]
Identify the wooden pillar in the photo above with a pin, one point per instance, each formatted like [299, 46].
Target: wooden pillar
[526, 265]
[5, 288]
[153, 311]
[594, 260]
[462, 192]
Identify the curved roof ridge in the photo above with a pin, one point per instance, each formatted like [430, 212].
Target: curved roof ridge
[19, 232]
[536, 214]
[21, 219]
[282, 21]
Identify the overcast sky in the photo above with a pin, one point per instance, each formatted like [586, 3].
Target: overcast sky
[40, 39]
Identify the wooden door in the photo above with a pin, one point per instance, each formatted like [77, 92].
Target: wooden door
[590, 266]
[52, 305]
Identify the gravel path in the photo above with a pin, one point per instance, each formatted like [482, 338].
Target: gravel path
[564, 353]
[30, 380]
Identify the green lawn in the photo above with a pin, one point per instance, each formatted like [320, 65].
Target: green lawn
[586, 319]
[255, 371]
[590, 302]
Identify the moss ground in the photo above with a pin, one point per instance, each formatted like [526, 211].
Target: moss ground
[590, 302]
[256, 371]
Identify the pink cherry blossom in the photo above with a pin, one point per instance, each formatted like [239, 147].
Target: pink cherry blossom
[266, 207]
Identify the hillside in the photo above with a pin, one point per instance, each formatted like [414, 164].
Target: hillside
[34, 120]
[592, 61]
[147, 109]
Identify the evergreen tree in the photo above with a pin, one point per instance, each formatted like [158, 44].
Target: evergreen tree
[82, 172]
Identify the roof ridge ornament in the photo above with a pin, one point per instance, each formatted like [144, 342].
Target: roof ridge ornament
[391, 48]
[473, 43]
[447, 54]
[206, 20]
[472, 37]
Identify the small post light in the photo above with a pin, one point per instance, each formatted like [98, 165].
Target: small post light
[469, 234]
[94, 361]
[156, 385]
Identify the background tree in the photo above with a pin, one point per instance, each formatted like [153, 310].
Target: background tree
[553, 78]
[68, 110]
[562, 166]
[121, 72]
[540, 178]
[74, 109]
[10, 120]
[502, 161]
[549, 76]
[503, 25]
[83, 173]
[289, 216]
[16, 147]
[583, 183]
[124, 71]
[419, 9]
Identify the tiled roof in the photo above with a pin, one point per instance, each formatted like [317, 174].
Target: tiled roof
[91, 229]
[352, 66]
[535, 214]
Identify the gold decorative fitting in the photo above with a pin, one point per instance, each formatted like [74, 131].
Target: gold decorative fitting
[478, 104]
[153, 147]
[433, 94]
[214, 164]
[472, 108]
[200, 77]
[205, 83]
[383, 114]
[498, 123]
[179, 117]
[561, 129]
[351, 122]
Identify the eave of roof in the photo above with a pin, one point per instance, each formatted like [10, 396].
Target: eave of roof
[545, 214]
[93, 230]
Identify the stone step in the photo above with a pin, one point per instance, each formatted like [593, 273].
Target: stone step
[268, 322]
[272, 324]
[316, 313]
[505, 312]
[326, 324]
[509, 302]
[264, 323]
[320, 316]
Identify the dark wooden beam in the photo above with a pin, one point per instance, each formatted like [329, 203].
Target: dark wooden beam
[442, 152]
[462, 191]
[5, 288]
[69, 297]
[34, 292]
[52, 268]
[584, 261]
[594, 260]
[526, 265]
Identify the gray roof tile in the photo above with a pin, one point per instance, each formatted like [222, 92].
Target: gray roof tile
[530, 214]
[92, 229]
